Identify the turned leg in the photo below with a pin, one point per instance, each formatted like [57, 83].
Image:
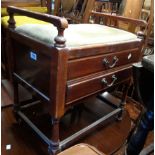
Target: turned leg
[53, 149]
[123, 100]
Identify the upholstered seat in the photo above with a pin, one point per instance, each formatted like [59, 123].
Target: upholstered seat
[21, 20]
[78, 34]
[35, 9]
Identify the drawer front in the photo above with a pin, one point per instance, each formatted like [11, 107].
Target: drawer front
[85, 66]
[77, 89]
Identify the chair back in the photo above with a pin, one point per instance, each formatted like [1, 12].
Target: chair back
[75, 10]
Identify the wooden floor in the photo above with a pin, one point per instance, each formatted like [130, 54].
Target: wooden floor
[23, 141]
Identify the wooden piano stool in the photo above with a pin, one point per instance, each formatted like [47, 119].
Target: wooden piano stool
[65, 69]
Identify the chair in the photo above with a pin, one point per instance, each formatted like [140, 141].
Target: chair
[108, 6]
[66, 63]
[75, 11]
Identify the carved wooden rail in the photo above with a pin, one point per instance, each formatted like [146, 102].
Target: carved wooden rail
[136, 22]
[60, 23]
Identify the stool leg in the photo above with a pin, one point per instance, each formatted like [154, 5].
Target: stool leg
[54, 149]
[123, 100]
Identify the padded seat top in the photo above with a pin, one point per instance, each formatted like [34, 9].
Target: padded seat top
[77, 34]
[35, 9]
[21, 20]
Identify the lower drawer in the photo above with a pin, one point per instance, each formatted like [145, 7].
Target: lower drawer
[83, 87]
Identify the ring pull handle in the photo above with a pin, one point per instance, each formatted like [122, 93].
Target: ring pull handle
[104, 80]
[107, 63]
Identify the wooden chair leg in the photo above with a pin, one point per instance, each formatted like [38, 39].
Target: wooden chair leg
[53, 150]
[123, 99]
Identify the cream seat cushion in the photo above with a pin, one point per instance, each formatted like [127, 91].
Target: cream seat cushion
[77, 34]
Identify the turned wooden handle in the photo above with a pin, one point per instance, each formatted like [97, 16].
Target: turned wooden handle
[59, 22]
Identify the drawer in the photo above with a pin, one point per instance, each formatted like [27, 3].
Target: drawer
[89, 65]
[82, 87]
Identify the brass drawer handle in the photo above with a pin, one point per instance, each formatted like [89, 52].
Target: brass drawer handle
[104, 80]
[107, 63]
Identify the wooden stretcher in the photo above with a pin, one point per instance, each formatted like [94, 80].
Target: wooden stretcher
[64, 64]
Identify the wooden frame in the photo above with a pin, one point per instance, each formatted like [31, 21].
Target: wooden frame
[66, 83]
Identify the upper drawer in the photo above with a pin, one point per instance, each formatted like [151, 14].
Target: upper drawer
[89, 65]
[88, 85]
